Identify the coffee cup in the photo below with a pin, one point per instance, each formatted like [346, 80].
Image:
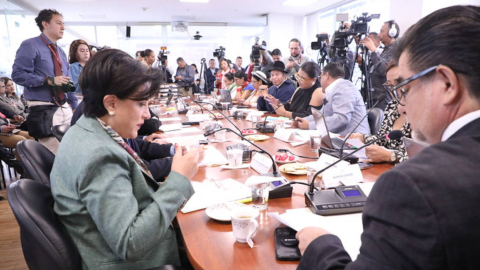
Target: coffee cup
[244, 223]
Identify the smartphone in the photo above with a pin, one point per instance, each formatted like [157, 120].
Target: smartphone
[286, 245]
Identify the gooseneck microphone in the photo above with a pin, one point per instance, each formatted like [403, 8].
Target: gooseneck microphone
[274, 167]
[263, 126]
[394, 135]
[202, 108]
[380, 99]
[215, 106]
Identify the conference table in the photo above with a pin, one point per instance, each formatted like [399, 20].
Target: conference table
[211, 245]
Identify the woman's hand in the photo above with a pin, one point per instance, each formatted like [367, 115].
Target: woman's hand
[186, 164]
[7, 129]
[377, 154]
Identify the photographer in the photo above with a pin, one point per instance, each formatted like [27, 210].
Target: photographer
[184, 76]
[380, 59]
[42, 68]
[296, 58]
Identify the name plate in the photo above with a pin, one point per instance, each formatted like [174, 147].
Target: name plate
[261, 163]
[325, 160]
[348, 176]
[285, 135]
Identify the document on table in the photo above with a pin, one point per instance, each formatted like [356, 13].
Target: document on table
[212, 192]
[184, 130]
[186, 140]
[167, 119]
[213, 157]
[347, 227]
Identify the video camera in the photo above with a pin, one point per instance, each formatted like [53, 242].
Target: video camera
[341, 38]
[256, 51]
[321, 42]
[162, 55]
[219, 53]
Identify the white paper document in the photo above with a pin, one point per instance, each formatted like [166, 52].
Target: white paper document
[213, 157]
[185, 130]
[168, 119]
[212, 192]
[347, 227]
[186, 140]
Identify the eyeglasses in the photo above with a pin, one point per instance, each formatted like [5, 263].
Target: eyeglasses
[300, 79]
[398, 92]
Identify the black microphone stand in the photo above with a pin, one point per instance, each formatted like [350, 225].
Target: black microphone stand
[263, 127]
[215, 106]
[274, 173]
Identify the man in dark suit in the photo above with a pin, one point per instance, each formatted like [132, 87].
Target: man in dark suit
[423, 214]
[211, 71]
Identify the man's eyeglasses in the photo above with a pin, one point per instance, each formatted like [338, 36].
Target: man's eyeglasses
[398, 92]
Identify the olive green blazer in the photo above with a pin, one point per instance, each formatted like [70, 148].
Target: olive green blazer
[118, 217]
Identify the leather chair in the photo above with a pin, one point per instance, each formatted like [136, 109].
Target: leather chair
[37, 161]
[60, 130]
[375, 119]
[45, 241]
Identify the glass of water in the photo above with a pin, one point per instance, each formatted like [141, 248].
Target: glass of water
[315, 142]
[260, 196]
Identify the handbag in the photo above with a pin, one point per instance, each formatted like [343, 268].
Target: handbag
[40, 121]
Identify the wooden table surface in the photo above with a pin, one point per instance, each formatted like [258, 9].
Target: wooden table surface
[211, 245]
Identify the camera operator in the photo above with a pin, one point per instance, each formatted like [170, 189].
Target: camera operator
[296, 58]
[380, 59]
[276, 55]
[184, 76]
[42, 68]
[211, 72]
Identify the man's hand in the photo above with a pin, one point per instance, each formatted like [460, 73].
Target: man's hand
[357, 136]
[186, 164]
[307, 235]
[59, 80]
[291, 63]
[18, 118]
[178, 78]
[368, 42]
[272, 100]
[153, 136]
[301, 123]
[377, 154]
[7, 129]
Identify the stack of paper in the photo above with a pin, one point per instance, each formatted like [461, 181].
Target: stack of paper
[213, 157]
[212, 192]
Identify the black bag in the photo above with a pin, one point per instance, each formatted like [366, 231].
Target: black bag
[40, 121]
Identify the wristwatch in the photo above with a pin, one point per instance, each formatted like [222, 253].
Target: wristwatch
[393, 157]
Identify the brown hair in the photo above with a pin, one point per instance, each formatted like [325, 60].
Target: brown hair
[72, 55]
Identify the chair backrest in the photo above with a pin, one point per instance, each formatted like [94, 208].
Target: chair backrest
[375, 119]
[60, 130]
[45, 241]
[37, 161]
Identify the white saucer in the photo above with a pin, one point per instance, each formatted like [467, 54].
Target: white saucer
[222, 211]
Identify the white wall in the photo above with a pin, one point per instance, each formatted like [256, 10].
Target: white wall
[281, 29]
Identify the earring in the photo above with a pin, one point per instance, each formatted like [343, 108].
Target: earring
[111, 113]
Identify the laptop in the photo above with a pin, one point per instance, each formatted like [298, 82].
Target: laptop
[321, 125]
[226, 97]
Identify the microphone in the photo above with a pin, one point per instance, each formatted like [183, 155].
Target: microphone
[380, 99]
[394, 135]
[263, 126]
[230, 121]
[275, 173]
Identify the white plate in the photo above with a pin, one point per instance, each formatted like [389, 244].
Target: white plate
[286, 161]
[222, 211]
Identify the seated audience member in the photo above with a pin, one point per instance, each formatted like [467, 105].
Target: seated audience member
[244, 88]
[344, 106]
[395, 118]
[116, 214]
[309, 94]
[277, 55]
[258, 79]
[11, 104]
[225, 68]
[78, 56]
[184, 76]
[16, 101]
[416, 215]
[229, 80]
[7, 137]
[282, 88]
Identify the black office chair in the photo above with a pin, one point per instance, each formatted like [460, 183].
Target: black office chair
[60, 130]
[375, 119]
[37, 161]
[45, 241]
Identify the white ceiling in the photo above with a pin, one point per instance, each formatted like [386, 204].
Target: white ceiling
[234, 12]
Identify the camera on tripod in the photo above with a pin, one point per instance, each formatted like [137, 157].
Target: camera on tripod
[256, 51]
[320, 43]
[219, 53]
[162, 55]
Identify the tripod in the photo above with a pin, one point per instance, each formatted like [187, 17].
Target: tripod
[366, 89]
[203, 74]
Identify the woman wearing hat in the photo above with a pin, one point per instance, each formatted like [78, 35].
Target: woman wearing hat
[309, 94]
[281, 90]
[258, 79]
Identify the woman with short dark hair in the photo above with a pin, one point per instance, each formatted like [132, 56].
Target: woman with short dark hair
[308, 95]
[118, 216]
